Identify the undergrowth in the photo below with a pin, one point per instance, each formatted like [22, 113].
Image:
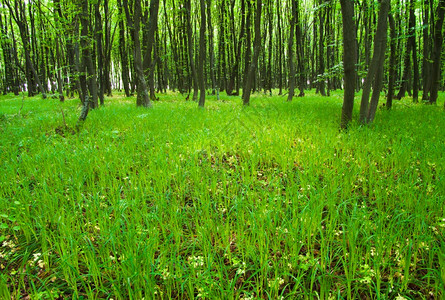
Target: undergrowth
[226, 202]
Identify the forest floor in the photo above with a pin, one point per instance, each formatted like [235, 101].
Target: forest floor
[227, 202]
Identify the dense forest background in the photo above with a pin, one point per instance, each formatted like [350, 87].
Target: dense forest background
[91, 47]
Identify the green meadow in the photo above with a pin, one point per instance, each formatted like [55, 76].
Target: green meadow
[270, 201]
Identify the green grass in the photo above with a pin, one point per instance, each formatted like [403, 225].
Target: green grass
[225, 202]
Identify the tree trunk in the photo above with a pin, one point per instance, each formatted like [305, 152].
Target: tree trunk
[413, 42]
[375, 73]
[190, 50]
[256, 53]
[349, 60]
[87, 60]
[18, 13]
[392, 61]
[426, 69]
[437, 51]
[280, 50]
[290, 52]
[149, 62]
[211, 45]
[100, 52]
[234, 72]
[134, 24]
[122, 51]
[202, 54]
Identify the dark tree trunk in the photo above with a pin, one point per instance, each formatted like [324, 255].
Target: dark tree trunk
[270, 48]
[413, 42]
[133, 21]
[190, 50]
[256, 53]
[234, 72]
[211, 50]
[300, 53]
[150, 58]
[202, 54]
[290, 52]
[100, 52]
[405, 87]
[248, 52]
[18, 13]
[437, 51]
[375, 72]
[349, 60]
[107, 55]
[87, 53]
[426, 69]
[280, 50]
[123, 52]
[392, 61]
[321, 54]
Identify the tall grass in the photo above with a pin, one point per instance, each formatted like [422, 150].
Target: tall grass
[226, 202]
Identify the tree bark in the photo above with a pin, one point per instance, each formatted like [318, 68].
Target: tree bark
[291, 52]
[349, 60]
[133, 21]
[122, 51]
[376, 67]
[149, 62]
[392, 61]
[256, 53]
[202, 54]
[190, 50]
[437, 51]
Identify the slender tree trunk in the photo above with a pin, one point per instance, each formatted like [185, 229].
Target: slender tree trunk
[234, 72]
[392, 61]
[375, 73]
[256, 53]
[134, 23]
[18, 13]
[349, 60]
[280, 50]
[321, 54]
[300, 53]
[190, 50]
[87, 54]
[202, 54]
[413, 42]
[100, 52]
[211, 46]
[437, 51]
[290, 52]
[149, 62]
[426, 69]
[122, 51]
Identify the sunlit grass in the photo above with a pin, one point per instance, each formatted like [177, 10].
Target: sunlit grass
[225, 202]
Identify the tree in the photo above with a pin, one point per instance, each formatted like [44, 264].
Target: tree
[437, 51]
[202, 54]
[133, 20]
[375, 72]
[250, 76]
[18, 13]
[291, 51]
[349, 60]
[190, 50]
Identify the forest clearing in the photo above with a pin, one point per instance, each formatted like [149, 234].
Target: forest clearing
[228, 202]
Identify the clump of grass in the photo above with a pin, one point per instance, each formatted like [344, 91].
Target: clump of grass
[226, 202]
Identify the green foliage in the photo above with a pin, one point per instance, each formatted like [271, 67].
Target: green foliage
[225, 202]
